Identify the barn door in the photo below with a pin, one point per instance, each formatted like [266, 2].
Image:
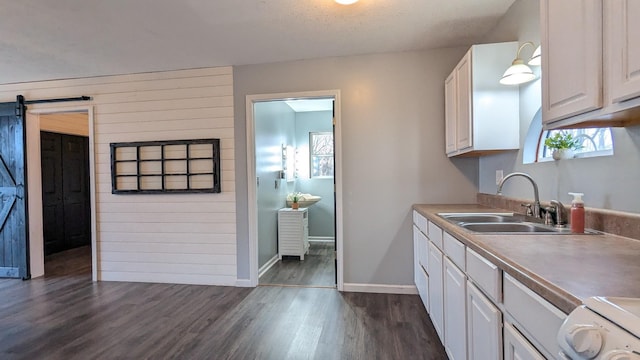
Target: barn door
[14, 249]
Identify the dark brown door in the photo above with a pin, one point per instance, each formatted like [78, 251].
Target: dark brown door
[14, 245]
[65, 191]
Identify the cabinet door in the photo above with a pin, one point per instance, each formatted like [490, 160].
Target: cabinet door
[464, 128]
[571, 57]
[455, 312]
[416, 256]
[622, 31]
[516, 347]
[450, 112]
[484, 326]
[436, 296]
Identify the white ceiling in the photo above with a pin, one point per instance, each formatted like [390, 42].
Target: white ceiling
[44, 39]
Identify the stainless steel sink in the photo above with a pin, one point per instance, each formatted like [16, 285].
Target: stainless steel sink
[503, 223]
[521, 227]
[482, 218]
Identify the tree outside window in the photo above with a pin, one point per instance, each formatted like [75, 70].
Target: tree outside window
[321, 154]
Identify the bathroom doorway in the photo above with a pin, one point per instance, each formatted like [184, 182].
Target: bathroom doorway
[294, 152]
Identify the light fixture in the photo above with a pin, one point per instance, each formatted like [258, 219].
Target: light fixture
[518, 72]
[346, 2]
[536, 58]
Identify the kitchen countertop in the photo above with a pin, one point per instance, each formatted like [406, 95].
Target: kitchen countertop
[563, 269]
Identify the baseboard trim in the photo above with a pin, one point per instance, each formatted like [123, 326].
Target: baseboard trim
[381, 288]
[322, 239]
[243, 283]
[268, 265]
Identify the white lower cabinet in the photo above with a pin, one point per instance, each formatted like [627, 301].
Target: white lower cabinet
[484, 326]
[455, 317]
[516, 347]
[479, 312]
[436, 295]
[420, 258]
[533, 316]
[293, 232]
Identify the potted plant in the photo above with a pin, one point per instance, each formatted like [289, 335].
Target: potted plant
[294, 204]
[563, 145]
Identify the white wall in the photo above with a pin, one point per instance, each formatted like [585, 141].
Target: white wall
[188, 238]
[393, 143]
[608, 182]
[274, 126]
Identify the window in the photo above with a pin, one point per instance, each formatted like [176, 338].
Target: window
[321, 154]
[594, 142]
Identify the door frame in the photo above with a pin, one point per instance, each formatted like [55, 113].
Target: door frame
[252, 200]
[34, 174]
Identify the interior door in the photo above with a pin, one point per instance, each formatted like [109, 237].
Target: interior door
[52, 205]
[75, 183]
[14, 246]
[335, 222]
[65, 195]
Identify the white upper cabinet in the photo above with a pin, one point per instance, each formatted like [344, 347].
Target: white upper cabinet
[482, 115]
[451, 110]
[623, 49]
[590, 63]
[571, 57]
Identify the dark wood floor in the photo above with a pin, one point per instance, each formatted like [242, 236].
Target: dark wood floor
[317, 268]
[66, 316]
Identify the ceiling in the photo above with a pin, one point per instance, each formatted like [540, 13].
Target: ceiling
[43, 39]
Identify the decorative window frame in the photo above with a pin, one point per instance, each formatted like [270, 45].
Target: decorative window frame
[156, 173]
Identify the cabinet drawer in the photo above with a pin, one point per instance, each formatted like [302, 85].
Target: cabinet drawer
[421, 222]
[435, 235]
[484, 274]
[534, 316]
[454, 249]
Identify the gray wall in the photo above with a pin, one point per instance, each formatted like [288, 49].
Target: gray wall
[321, 214]
[393, 143]
[274, 124]
[609, 182]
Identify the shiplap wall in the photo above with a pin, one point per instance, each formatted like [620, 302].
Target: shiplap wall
[176, 238]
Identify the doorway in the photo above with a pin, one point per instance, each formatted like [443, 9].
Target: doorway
[62, 190]
[286, 172]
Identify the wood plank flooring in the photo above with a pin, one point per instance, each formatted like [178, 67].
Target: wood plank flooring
[66, 316]
[317, 268]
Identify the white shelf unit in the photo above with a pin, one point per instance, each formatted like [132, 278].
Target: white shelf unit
[293, 232]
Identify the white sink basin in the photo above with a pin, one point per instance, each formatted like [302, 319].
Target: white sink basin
[308, 201]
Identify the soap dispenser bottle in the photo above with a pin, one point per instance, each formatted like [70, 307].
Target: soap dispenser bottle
[577, 213]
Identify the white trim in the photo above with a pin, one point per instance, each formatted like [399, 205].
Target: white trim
[322, 239]
[244, 283]
[34, 167]
[251, 175]
[264, 268]
[381, 288]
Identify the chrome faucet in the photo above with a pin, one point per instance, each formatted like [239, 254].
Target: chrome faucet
[536, 203]
[560, 212]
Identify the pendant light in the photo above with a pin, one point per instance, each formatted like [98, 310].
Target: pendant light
[536, 58]
[346, 2]
[518, 73]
